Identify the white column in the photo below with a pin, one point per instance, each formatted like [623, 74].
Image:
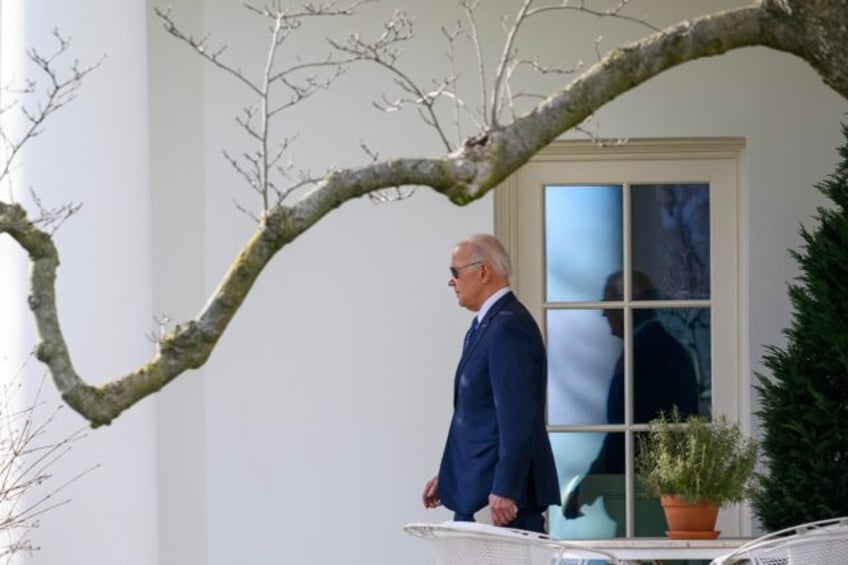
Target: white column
[179, 290]
[95, 151]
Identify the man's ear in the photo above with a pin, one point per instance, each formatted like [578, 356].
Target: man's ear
[485, 271]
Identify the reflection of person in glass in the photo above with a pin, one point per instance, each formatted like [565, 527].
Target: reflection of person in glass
[663, 375]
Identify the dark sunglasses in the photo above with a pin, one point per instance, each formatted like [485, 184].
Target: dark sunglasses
[455, 270]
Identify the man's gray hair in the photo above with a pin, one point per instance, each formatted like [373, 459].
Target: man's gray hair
[485, 247]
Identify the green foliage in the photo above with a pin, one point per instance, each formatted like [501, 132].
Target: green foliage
[697, 460]
[804, 402]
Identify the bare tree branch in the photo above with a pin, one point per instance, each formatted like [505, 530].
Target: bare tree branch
[507, 55]
[616, 11]
[294, 79]
[27, 455]
[60, 90]
[811, 29]
[201, 46]
[469, 7]
[383, 51]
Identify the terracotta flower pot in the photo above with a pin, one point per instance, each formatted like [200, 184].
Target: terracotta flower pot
[689, 521]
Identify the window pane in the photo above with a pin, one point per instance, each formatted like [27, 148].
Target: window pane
[671, 238]
[649, 516]
[691, 328]
[574, 453]
[581, 359]
[664, 374]
[594, 498]
[583, 239]
[593, 495]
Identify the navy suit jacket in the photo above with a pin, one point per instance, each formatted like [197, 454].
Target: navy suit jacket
[497, 442]
[663, 378]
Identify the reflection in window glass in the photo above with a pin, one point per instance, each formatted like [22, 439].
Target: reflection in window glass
[670, 352]
[593, 495]
[671, 238]
[592, 372]
[574, 453]
[582, 240]
[664, 374]
[594, 499]
[691, 328]
[581, 359]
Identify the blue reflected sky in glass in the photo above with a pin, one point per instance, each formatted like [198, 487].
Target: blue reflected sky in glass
[583, 240]
[671, 238]
[573, 453]
[581, 359]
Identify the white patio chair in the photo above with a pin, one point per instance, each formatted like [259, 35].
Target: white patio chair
[814, 543]
[470, 543]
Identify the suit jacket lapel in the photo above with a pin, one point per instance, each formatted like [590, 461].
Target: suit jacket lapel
[478, 335]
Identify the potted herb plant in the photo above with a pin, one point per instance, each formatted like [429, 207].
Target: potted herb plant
[694, 465]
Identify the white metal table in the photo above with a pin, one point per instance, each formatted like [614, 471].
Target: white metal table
[655, 550]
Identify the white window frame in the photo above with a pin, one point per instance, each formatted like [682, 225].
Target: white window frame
[518, 207]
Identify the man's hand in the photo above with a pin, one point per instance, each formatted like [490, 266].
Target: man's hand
[431, 494]
[571, 506]
[503, 510]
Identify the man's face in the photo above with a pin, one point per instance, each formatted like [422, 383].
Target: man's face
[468, 282]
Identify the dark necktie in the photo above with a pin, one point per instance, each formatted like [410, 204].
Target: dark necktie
[469, 335]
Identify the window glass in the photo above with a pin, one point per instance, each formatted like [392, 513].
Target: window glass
[691, 328]
[593, 496]
[582, 240]
[670, 365]
[621, 347]
[581, 356]
[670, 238]
[580, 515]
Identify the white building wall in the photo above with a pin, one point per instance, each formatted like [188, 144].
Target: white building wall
[177, 152]
[329, 398]
[94, 152]
[309, 434]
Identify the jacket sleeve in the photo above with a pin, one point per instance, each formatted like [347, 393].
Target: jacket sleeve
[517, 371]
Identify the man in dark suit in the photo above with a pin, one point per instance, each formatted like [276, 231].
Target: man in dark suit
[664, 378]
[663, 372]
[497, 451]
